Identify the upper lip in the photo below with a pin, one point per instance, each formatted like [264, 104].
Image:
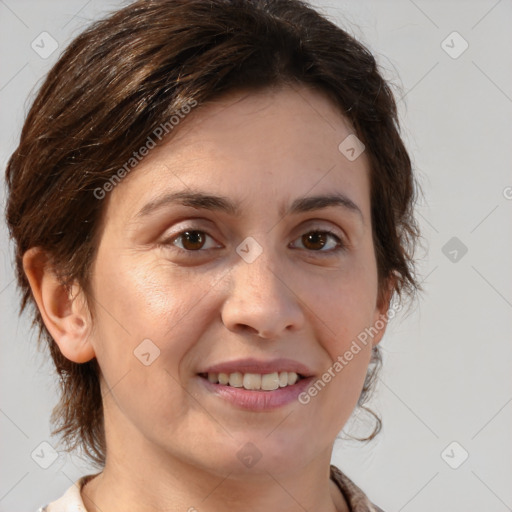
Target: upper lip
[251, 365]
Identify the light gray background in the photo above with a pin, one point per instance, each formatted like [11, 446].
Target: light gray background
[447, 365]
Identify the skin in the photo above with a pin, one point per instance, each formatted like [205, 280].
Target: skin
[172, 445]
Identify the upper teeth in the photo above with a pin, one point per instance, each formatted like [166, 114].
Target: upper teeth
[255, 381]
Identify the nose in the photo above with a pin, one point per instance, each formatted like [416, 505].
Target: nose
[262, 300]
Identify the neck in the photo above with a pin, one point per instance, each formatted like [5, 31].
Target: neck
[173, 485]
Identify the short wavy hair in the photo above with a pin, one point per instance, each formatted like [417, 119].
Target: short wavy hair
[127, 74]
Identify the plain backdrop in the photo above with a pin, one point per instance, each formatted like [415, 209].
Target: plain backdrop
[445, 392]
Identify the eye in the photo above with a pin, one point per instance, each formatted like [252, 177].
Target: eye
[192, 240]
[318, 240]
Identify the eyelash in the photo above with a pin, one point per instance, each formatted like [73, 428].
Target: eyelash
[341, 246]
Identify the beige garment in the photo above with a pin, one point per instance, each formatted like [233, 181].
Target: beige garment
[354, 496]
[71, 501]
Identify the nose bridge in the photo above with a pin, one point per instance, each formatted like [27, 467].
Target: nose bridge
[259, 296]
[261, 276]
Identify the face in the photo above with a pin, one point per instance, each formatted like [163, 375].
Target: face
[259, 280]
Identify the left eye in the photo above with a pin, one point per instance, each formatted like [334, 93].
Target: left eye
[316, 241]
[312, 239]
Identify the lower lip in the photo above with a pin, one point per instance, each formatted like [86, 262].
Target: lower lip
[258, 400]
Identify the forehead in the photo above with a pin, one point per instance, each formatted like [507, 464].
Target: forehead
[288, 120]
[248, 145]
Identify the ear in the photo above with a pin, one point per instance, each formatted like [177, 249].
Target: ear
[380, 319]
[64, 312]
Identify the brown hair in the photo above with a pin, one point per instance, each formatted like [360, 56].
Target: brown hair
[126, 75]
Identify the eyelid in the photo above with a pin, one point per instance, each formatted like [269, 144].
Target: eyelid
[325, 226]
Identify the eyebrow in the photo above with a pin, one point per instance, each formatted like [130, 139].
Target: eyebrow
[205, 201]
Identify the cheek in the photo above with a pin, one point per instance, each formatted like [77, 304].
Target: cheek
[348, 310]
[348, 314]
[348, 306]
[147, 322]
[145, 309]
[148, 298]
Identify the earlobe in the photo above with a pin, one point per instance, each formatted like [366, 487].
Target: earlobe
[64, 312]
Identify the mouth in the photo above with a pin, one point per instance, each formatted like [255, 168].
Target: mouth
[254, 381]
[257, 392]
[254, 384]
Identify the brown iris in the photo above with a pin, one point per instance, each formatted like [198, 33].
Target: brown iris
[314, 238]
[194, 239]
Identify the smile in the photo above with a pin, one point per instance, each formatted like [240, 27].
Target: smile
[254, 381]
[251, 395]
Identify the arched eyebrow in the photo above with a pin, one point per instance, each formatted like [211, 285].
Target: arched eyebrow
[205, 201]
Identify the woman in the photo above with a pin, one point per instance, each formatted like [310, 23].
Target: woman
[212, 211]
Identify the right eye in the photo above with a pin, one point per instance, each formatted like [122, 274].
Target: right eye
[191, 240]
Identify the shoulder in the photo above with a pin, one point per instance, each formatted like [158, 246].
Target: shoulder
[71, 500]
[356, 498]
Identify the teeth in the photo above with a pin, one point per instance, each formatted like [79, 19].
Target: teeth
[270, 381]
[252, 381]
[255, 381]
[212, 377]
[292, 378]
[283, 379]
[236, 379]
